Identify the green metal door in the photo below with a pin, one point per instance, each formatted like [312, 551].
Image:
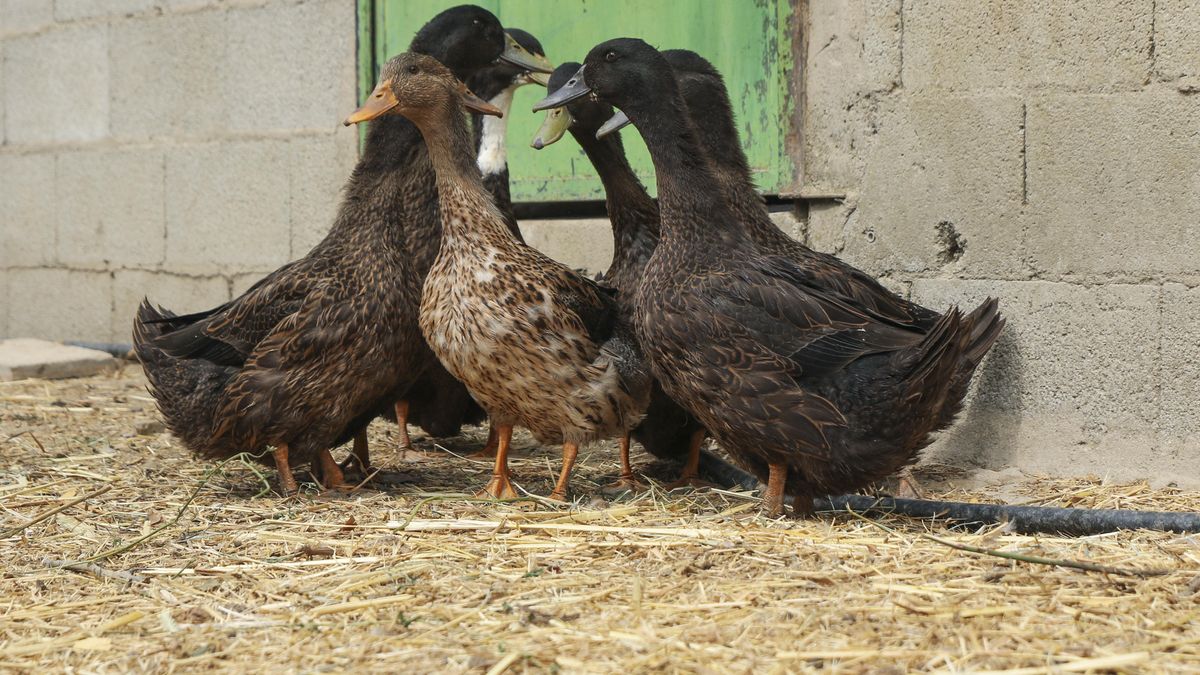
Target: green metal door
[747, 40]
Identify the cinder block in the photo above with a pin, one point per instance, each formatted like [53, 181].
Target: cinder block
[227, 207]
[290, 66]
[4, 310]
[1077, 45]
[25, 16]
[853, 55]
[71, 10]
[26, 210]
[1071, 387]
[110, 208]
[940, 190]
[3, 129]
[180, 294]
[585, 243]
[1180, 414]
[1177, 40]
[56, 85]
[59, 304]
[320, 167]
[167, 74]
[1112, 184]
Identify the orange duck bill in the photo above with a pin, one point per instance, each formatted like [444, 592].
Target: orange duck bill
[383, 100]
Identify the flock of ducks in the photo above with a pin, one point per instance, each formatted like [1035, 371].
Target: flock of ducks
[424, 302]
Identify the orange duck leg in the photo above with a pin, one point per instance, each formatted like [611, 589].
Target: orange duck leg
[500, 487]
[570, 452]
[287, 482]
[490, 448]
[691, 469]
[407, 452]
[773, 497]
[626, 482]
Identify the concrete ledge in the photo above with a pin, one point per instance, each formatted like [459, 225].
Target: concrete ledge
[25, 358]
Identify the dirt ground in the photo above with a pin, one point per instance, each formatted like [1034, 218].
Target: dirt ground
[181, 568]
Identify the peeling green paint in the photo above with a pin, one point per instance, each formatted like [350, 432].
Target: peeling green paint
[748, 41]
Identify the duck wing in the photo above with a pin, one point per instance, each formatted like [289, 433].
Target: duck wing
[765, 327]
[228, 334]
[297, 368]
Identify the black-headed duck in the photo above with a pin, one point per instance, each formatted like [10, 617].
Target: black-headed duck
[812, 393]
[668, 431]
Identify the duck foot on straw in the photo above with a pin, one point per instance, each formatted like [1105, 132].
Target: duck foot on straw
[907, 485]
[500, 487]
[358, 462]
[561, 489]
[287, 482]
[626, 482]
[690, 478]
[488, 451]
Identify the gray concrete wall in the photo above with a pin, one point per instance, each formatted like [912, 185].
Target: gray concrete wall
[1047, 153]
[171, 148]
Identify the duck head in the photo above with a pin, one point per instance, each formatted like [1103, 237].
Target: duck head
[503, 74]
[583, 115]
[417, 86]
[468, 38]
[626, 72]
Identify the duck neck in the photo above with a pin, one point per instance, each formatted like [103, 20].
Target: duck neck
[632, 211]
[460, 188]
[690, 199]
[491, 135]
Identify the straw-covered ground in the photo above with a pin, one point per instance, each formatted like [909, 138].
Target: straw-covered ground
[189, 569]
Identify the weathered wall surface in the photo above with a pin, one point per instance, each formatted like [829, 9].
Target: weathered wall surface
[171, 148]
[1047, 154]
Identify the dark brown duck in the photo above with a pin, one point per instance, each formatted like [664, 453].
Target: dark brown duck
[668, 431]
[810, 392]
[303, 360]
[535, 343]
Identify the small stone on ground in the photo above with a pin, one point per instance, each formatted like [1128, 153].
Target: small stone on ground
[23, 358]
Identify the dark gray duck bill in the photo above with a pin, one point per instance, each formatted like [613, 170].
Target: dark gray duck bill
[618, 121]
[574, 88]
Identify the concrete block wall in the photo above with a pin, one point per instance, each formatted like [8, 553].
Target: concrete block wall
[1044, 153]
[172, 148]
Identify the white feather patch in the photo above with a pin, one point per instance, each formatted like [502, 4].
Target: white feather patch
[493, 151]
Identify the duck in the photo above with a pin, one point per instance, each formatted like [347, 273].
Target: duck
[535, 343]
[303, 360]
[497, 84]
[812, 393]
[667, 431]
[706, 100]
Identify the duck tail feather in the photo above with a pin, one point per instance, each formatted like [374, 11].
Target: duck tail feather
[187, 391]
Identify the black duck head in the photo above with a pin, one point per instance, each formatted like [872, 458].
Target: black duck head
[626, 72]
[467, 38]
[583, 114]
[418, 87]
[503, 73]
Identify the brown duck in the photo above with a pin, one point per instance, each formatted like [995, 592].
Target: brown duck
[535, 343]
[814, 394]
[306, 358]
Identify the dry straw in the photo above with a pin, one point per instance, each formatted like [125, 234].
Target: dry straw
[120, 557]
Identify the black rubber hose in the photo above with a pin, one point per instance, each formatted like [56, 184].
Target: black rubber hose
[119, 350]
[1023, 519]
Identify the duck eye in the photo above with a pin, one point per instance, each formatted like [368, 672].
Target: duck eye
[413, 70]
[610, 56]
[477, 22]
